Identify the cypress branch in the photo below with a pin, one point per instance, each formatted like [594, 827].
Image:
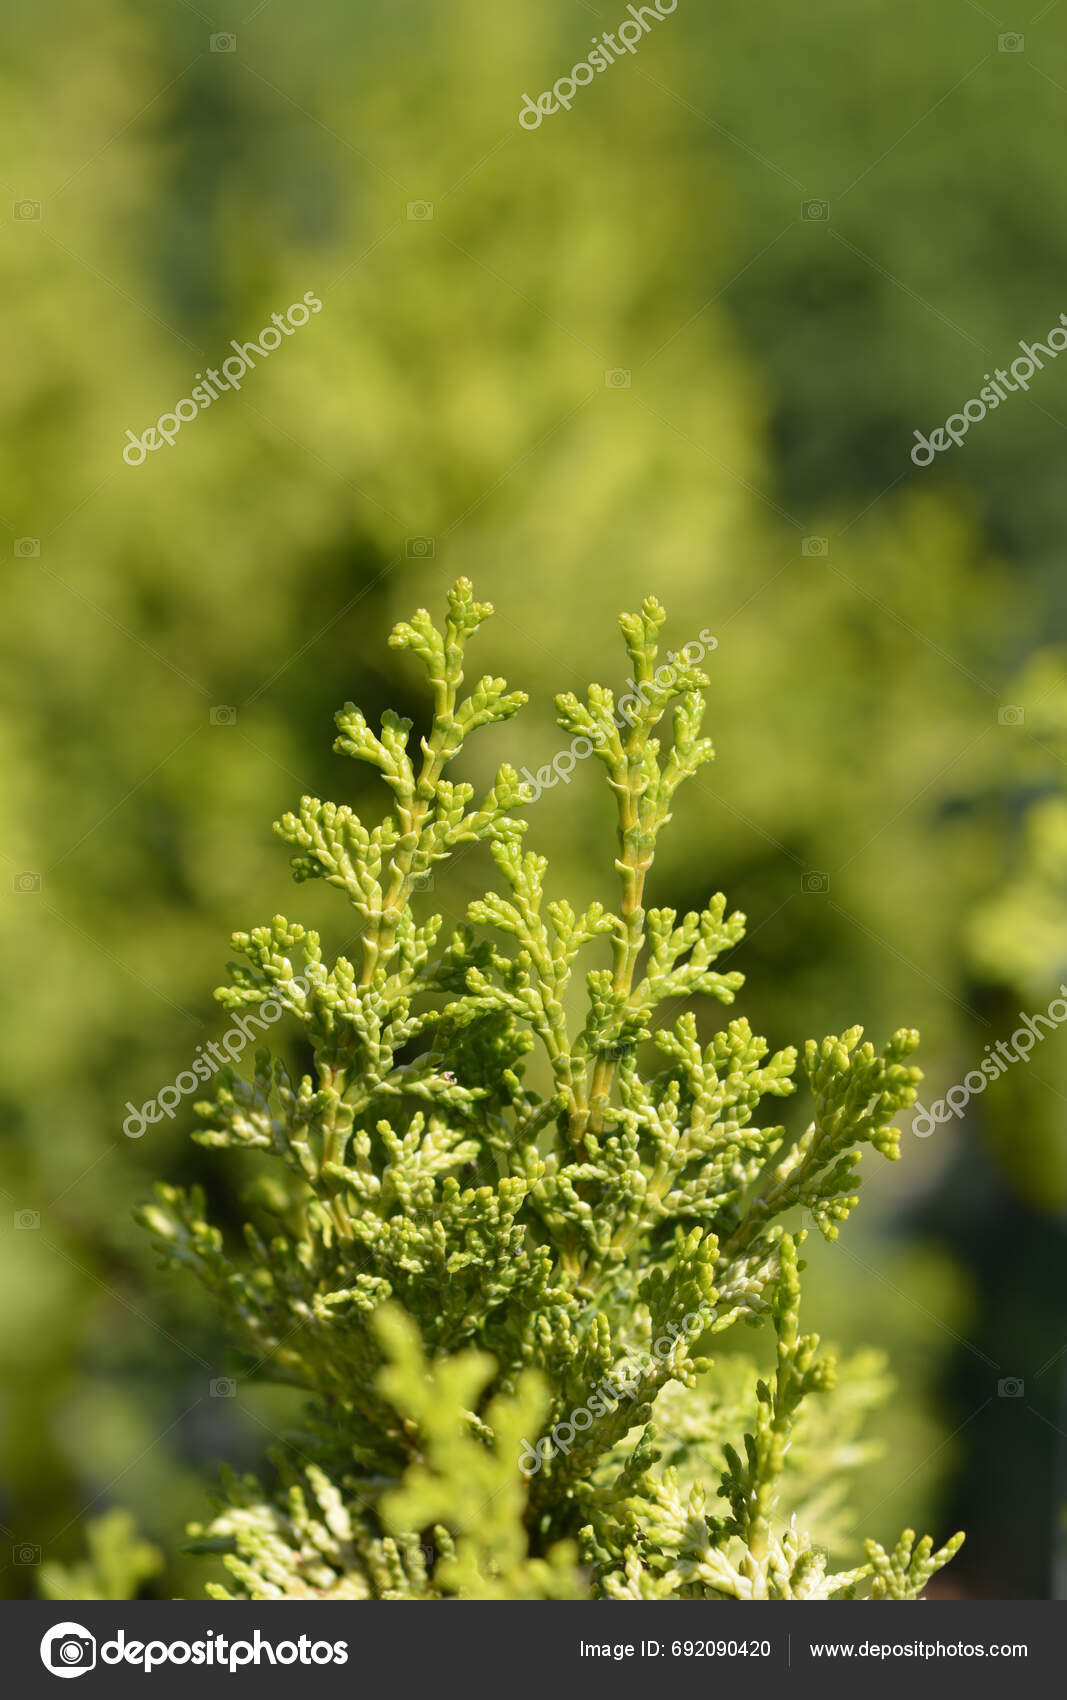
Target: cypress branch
[486, 1270]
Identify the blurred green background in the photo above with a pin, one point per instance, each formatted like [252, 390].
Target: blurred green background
[676, 340]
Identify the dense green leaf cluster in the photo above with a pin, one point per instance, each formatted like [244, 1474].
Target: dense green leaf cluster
[485, 1265]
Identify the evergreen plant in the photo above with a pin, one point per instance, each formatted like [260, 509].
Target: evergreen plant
[503, 1224]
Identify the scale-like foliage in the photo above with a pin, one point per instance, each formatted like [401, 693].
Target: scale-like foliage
[471, 1247]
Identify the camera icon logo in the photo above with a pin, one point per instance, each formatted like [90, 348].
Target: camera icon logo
[817, 211]
[814, 881]
[1011, 715]
[27, 546]
[26, 882]
[223, 715]
[420, 548]
[1011, 43]
[224, 1387]
[617, 378]
[422, 882]
[27, 1553]
[420, 209]
[1010, 1388]
[68, 1649]
[815, 546]
[27, 1218]
[223, 44]
[26, 209]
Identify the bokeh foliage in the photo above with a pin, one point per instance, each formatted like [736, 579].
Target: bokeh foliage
[865, 795]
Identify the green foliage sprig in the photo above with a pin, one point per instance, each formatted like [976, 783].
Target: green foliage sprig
[117, 1565]
[463, 1238]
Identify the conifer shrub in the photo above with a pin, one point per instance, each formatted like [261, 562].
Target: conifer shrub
[504, 1224]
